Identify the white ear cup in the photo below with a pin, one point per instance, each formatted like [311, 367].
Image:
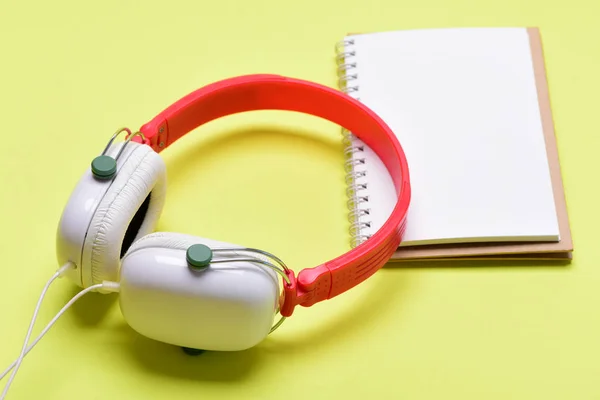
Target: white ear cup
[227, 306]
[128, 210]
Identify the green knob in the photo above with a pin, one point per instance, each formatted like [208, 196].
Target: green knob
[104, 167]
[198, 256]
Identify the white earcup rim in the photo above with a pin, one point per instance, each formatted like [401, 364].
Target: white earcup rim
[140, 182]
[175, 240]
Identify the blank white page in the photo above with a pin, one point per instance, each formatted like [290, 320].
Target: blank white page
[463, 103]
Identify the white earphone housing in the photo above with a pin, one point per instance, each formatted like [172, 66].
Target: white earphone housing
[225, 306]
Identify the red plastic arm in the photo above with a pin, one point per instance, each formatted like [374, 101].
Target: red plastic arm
[273, 92]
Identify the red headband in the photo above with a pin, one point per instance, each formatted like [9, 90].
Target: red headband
[273, 92]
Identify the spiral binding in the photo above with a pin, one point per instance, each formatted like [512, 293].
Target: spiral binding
[355, 162]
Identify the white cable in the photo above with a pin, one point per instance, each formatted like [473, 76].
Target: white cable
[56, 275]
[52, 322]
[111, 286]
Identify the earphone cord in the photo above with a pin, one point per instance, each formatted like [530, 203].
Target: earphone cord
[58, 273]
[26, 349]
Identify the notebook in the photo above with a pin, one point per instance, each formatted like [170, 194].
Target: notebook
[471, 109]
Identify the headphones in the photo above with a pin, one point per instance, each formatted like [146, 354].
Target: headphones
[197, 293]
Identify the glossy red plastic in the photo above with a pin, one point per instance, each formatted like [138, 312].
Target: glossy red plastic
[274, 92]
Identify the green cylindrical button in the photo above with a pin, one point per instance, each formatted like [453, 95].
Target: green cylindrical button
[104, 167]
[199, 256]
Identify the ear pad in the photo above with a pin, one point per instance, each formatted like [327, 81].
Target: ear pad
[225, 306]
[129, 210]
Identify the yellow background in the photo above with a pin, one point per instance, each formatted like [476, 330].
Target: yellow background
[73, 72]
